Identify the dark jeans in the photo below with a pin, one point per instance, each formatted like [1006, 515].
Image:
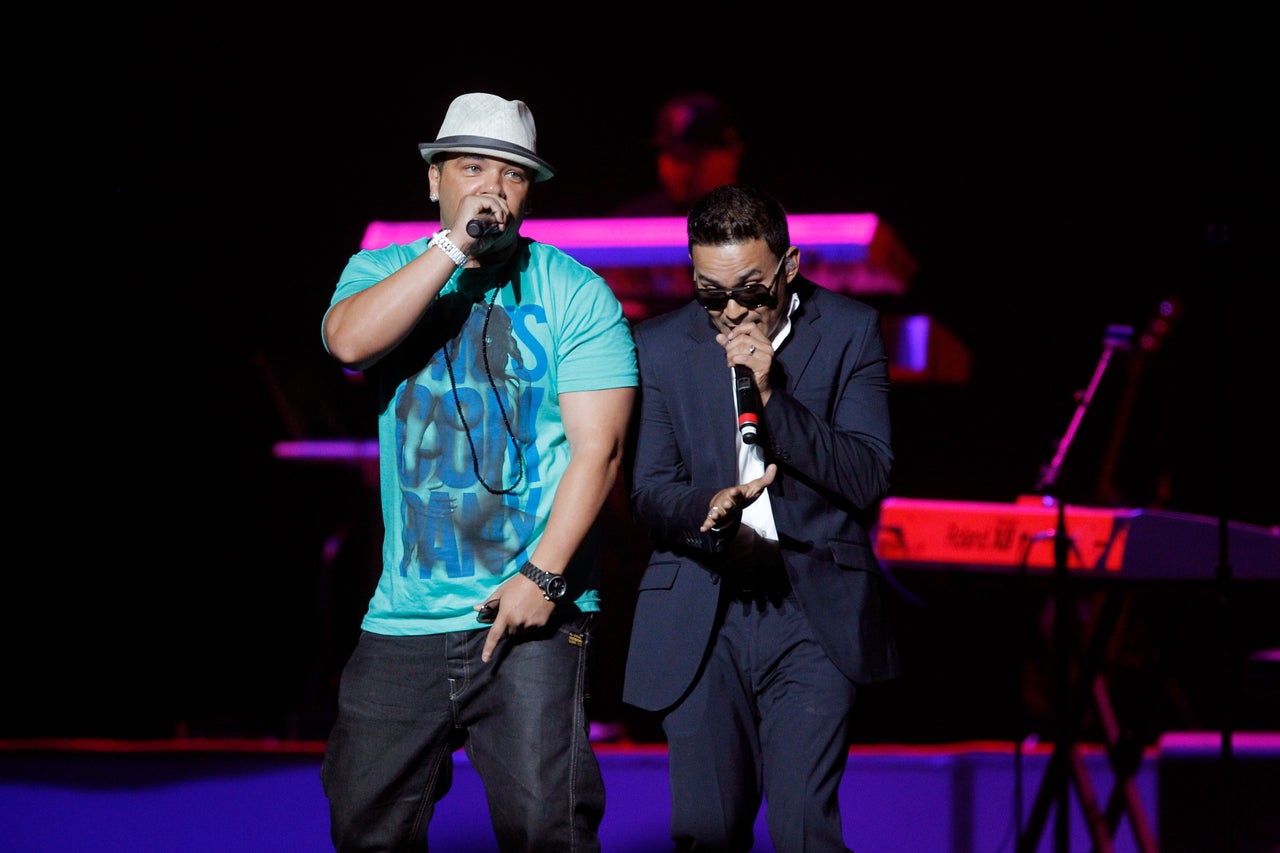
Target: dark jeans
[406, 703]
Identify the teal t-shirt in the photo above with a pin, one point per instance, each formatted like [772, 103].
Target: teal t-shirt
[470, 437]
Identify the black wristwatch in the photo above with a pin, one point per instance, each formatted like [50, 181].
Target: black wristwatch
[553, 586]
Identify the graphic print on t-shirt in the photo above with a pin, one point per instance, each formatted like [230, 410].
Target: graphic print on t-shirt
[453, 428]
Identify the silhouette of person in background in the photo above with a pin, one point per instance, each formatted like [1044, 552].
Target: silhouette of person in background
[698, 149]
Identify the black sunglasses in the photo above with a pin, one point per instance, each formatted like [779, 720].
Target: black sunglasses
[749, 296]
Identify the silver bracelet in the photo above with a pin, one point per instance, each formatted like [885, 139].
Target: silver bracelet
[441, 240]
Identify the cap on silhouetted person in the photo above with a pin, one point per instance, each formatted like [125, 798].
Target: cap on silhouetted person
[698, 148]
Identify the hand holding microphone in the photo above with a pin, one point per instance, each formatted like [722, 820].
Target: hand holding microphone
[482, 226]
[745, 389]
[482, 214]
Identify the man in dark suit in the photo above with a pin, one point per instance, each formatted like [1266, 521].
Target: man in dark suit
[762, 608]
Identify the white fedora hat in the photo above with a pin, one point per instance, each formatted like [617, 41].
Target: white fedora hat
[479, 123]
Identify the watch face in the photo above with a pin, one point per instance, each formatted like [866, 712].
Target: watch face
[555, 587]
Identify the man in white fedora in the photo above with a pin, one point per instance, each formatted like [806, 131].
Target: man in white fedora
[505, 374]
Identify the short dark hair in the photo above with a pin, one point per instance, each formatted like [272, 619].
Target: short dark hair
[736, 213]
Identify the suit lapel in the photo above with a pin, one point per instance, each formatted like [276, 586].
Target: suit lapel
[801, 344]
[711, 400]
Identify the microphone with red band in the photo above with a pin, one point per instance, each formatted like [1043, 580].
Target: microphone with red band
[744, 386]
[482, 227]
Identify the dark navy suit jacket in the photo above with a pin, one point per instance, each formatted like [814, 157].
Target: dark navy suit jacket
[826, 426]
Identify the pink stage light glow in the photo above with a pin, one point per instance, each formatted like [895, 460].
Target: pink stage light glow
[657, 241]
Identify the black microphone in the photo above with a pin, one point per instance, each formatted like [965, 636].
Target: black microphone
[744, 385]
[482, 227]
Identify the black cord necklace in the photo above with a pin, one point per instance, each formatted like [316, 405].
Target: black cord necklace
[484, 354]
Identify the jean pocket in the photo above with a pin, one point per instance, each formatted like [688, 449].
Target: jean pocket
[580, 630]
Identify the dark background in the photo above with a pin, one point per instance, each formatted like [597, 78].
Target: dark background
[190, 186]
